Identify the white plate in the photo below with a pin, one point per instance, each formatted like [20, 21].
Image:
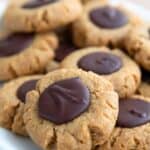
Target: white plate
[9, 141]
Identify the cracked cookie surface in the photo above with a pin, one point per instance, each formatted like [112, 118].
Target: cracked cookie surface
[25, 54]
[125, 79]
[29, 16]
[12, 107]
[91, 128]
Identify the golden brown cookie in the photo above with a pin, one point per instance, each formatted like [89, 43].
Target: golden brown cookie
[113, 65]
[71, 110]
[24, 54]
[137, 44]
[40, 16]
[102, 24]
[12, 99]
[133, 126]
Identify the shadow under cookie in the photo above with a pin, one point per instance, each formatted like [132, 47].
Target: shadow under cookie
[144, 88]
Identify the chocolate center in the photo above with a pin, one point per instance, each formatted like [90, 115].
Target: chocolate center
[108, 17]
[25, 88]
[38, 3]
[100, 62]
[64, 100]
[15, 43]
[133, 113]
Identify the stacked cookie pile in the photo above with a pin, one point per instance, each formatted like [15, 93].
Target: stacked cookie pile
[79, 75]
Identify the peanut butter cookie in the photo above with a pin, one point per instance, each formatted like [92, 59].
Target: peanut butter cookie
[37, 15]
[113, 65]
[12, 100]
[133, 126]
[137, 44]
[25, 53]
[71, 110]
[103, 24]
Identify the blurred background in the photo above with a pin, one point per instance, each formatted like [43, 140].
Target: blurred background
[146, 3]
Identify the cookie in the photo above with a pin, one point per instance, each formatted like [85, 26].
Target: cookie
[71, 109]
[24, 54]
[137, 44]
[144, 88]
[113, 65]
[133, 126]
[12, 100]
[102, 24]
[36, 15]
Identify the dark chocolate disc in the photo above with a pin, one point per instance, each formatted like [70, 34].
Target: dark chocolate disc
[25, 88]
[133, 113]
[63, 50]
[100, 62]
[38, 3]
[64, 100]
[15, 43]
[108, 17]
